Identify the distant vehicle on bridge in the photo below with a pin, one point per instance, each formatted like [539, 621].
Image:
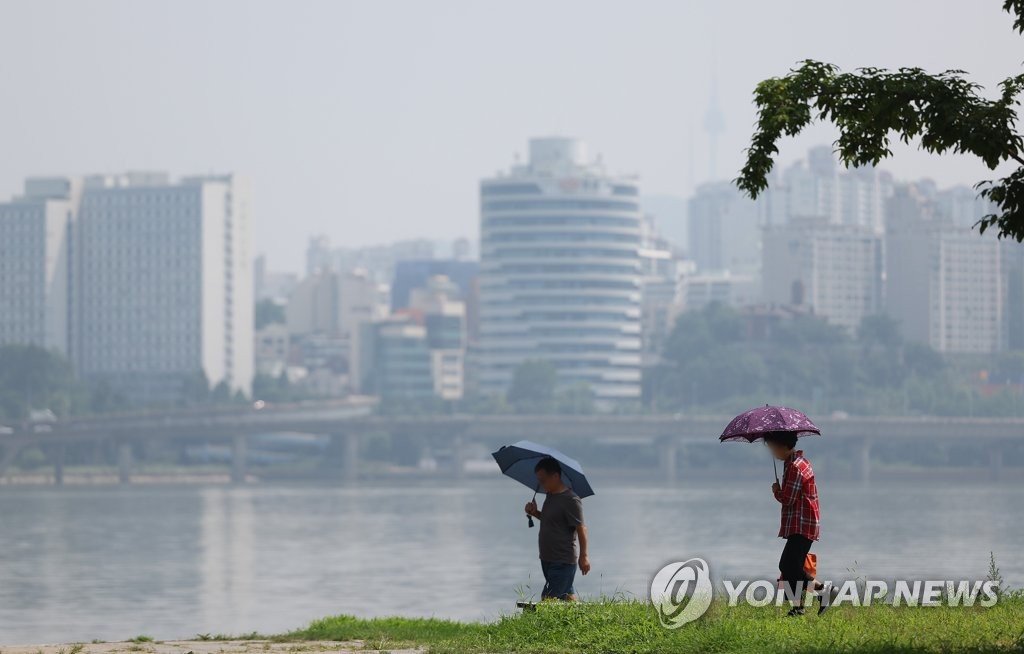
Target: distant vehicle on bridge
[40, 421]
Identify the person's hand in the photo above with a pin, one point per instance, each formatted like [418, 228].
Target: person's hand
[776, 488]
[584, 564]
[531, 509]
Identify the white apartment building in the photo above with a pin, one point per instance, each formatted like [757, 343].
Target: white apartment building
[162, 284]
[966, 293]
[560, 272]
[835, 271]
[945, 282]
[142, 282]
[35, 259]
[819, 188]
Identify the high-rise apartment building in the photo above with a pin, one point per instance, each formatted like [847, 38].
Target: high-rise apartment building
[141, 281]
[162, 284]
[35, 260]
[946, 284]
[818, 188]
[833, 270]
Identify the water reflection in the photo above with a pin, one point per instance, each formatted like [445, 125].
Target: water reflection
[113, 562]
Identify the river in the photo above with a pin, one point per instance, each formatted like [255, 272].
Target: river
[85, 562]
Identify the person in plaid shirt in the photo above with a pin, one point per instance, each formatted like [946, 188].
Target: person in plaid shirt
[801, 520]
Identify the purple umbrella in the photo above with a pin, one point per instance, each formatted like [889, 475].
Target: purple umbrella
[753, 424]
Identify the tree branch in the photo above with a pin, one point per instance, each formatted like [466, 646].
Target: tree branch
[944, 112]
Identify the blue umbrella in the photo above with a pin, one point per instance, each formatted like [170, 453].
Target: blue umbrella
[519, 459]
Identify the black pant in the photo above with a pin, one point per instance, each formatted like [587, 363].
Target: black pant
[791, 565]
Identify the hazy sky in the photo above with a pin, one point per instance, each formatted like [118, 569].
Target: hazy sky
[372, 121]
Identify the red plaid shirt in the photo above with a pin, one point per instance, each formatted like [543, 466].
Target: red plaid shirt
[799, 498]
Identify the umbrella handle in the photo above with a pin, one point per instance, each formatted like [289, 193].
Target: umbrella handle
[775, 469]
[529, 518]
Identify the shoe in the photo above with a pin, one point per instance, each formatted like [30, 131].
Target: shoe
[795, 611]
[826, 596]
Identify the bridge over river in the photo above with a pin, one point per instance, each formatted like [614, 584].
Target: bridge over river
[350, 421]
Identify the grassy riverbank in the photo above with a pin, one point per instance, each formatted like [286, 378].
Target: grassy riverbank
[633, 627]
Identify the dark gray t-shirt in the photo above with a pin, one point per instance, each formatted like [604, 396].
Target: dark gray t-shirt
[559, 517]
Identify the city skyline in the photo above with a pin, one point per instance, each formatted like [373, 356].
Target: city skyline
[301, 301]
[797, 196]
[356, 106]
[147, 283]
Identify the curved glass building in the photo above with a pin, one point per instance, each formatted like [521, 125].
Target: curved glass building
[560, 272]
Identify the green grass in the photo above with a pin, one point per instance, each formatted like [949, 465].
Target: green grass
[633, 627]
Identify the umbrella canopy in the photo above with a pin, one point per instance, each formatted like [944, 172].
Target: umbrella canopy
[754, 424]
[519, 459]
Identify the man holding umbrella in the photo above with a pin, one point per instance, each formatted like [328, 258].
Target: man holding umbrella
[542, 468]
[561, 523]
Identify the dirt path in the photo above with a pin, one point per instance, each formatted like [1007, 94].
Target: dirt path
[207, 647]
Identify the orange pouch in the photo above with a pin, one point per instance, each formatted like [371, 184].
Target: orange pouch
[811, 565]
